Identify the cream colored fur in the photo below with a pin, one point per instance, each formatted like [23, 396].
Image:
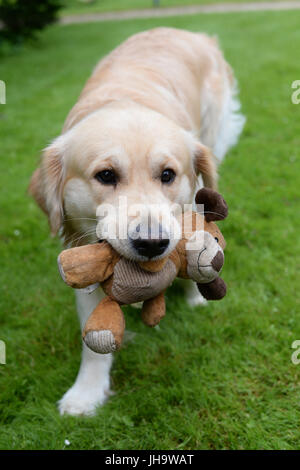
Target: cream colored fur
[165, 98]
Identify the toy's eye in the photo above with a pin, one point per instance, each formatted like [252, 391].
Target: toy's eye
[217, 240]
[106, 177]
[167, 176]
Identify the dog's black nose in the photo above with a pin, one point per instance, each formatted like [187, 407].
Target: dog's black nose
[150, 247]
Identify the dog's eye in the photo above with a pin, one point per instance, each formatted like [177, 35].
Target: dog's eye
[106, 177]
[217, 240]
[167, 176]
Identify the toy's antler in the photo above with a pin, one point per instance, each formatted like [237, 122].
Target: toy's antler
[215, 207]
[214, 290]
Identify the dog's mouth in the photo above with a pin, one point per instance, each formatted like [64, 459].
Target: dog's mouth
[150, 248]
[140, 239]
[147, 249]
[143, 249]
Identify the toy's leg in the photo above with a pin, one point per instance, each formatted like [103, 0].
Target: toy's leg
[154, 310]
[104, 330]
[91, 387]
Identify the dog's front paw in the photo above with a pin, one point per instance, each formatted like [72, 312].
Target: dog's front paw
[82, 402]
[137, 305]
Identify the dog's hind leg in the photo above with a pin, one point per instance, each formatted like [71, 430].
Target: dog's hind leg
[193, 296]
[91, 387]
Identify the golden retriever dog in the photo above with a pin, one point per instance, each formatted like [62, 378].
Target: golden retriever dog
[151, 124]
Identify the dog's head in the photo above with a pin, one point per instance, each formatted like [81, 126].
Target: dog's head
[118, 175]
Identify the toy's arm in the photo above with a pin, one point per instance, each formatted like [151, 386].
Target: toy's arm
[86, 265]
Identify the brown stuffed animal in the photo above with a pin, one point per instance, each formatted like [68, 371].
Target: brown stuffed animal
[125, 281]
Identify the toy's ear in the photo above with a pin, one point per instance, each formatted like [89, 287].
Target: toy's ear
[215, 207]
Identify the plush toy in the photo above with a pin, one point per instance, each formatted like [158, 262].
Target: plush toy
[125, 281]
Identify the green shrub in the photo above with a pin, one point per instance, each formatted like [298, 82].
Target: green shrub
[21, 19]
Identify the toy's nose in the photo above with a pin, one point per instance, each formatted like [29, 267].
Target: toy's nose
[149, 247]
[218, 261]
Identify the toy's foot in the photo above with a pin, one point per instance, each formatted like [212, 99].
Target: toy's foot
[154, 310]
[104, 329]
[102, 342]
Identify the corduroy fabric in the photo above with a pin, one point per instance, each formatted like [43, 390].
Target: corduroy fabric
[133, 284]
[100, 341]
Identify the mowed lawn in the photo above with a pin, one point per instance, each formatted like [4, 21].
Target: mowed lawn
[219, 377]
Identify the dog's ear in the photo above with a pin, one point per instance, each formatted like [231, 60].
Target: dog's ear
[205, 164]
[215, 207]
[47, 183]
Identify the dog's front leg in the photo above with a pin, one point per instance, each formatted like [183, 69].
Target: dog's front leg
[91, 387]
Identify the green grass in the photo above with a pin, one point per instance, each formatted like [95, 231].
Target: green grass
[100, 6]
[213, 378]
